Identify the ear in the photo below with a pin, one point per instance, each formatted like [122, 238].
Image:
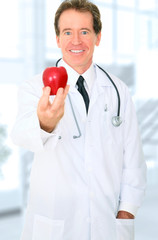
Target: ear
[58, 41]
[98, 39]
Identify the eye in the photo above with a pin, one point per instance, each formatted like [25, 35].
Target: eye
[67, 33]
[84, 32]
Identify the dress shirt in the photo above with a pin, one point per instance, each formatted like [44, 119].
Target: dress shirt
[89, 76]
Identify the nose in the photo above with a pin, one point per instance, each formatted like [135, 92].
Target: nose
[76, 39]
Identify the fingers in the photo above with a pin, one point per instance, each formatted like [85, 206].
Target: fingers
[60, 97]
[44, 100]
[58, 101]
[66, 90]
[50, 113]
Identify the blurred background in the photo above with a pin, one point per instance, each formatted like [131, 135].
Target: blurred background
[129, 49]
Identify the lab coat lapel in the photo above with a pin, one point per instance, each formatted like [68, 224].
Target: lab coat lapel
[100, 84]
[77, 102]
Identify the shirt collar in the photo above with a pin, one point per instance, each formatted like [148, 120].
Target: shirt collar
[89, 75]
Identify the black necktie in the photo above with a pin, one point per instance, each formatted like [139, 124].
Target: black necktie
[83, 91]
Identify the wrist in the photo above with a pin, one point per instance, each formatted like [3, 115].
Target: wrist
[46, 128]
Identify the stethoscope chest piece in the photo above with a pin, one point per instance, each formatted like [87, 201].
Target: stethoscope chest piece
[116, 121]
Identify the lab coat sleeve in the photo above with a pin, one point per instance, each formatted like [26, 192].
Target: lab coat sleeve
[134, 167]
[26, 131]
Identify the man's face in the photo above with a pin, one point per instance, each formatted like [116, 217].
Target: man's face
[77, 39]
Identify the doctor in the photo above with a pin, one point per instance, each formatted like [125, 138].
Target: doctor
[90, 187]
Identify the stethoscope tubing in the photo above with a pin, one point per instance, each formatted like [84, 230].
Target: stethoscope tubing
[74, 115]
[118, 95]
[116, 120]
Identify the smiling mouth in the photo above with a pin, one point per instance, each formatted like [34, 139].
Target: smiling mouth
[76, 51]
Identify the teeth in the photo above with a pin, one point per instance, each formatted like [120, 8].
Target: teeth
[76, 51]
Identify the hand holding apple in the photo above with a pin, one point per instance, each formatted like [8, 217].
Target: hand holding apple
[49, 114]
[55, 77]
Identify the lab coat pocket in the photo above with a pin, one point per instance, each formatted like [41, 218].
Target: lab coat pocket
[125, 229]
[46, 228]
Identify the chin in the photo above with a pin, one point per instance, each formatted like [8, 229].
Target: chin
[74, 62]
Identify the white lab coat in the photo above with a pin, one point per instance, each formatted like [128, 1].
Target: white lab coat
[78, 185]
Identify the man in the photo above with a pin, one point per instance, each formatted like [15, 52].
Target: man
[88, 187]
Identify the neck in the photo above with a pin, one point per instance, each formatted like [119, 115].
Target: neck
[79, 68]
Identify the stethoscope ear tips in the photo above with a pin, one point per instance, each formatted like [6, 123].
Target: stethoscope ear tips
[116, 121]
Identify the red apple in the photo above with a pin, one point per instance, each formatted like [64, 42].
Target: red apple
[55, 77]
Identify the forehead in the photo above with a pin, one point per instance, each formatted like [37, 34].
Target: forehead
[75, 19]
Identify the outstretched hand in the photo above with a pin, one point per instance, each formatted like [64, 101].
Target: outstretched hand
[49, 114]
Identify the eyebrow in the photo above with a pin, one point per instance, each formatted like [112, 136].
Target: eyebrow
[86, 29]
[68, 29]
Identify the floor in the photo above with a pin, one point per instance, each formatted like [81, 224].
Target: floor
[146, 224]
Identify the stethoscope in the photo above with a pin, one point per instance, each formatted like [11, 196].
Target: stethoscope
[116, 120]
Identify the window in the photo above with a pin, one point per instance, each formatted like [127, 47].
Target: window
[103, 53]
[147, 5]
[10, 168]
[125, 32]
[9, 25]
[145, 32]
[154, 33]
[103, 1]
[126, 3]
[52, 51]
